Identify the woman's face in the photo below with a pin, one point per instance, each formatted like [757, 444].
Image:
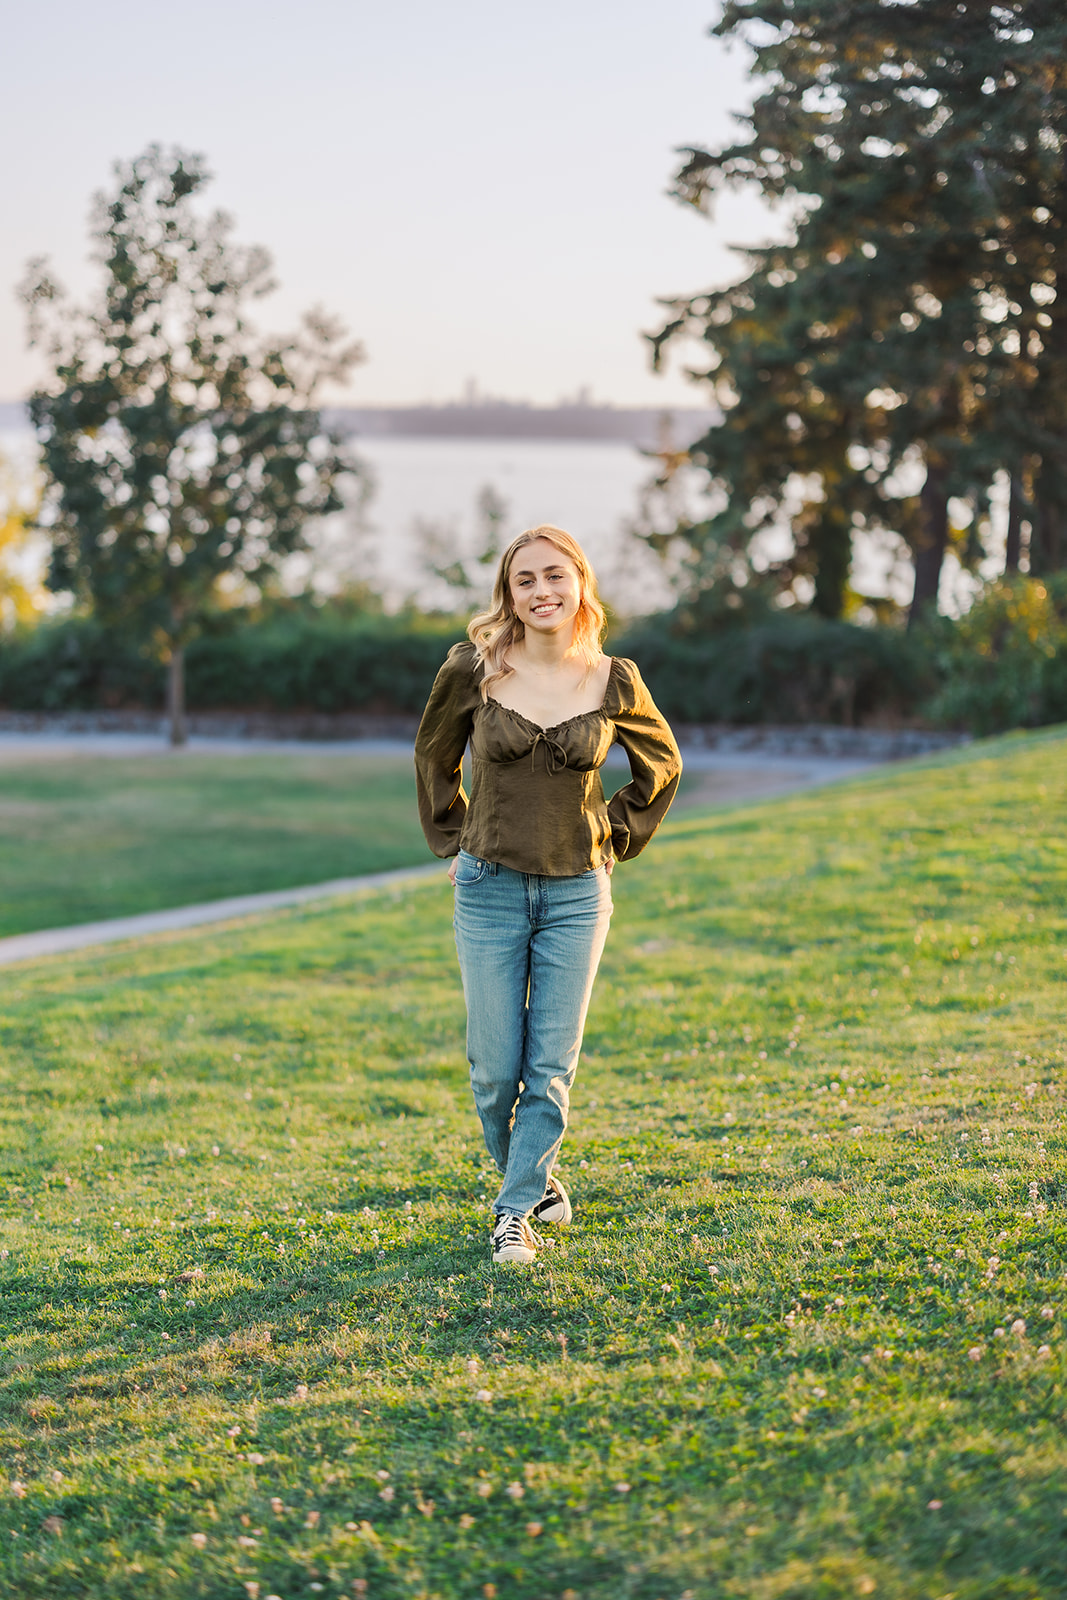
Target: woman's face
[545, 588]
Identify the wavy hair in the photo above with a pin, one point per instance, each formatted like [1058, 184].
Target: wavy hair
[493, 632]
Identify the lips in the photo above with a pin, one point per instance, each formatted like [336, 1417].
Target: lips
[545, 611]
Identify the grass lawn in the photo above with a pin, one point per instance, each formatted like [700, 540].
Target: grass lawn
[803, 1341]
[83, 837]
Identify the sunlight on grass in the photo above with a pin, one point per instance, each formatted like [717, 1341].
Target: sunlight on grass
[804, 1338]
[85, 837]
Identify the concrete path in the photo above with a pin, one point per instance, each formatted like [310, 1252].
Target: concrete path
[744, 773]
[51, 941]
[52, 744]
[724, 779]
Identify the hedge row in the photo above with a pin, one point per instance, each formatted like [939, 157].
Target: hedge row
[316, 661]
[1003, 665]
[794, 669]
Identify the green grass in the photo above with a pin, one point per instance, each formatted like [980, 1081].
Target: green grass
[87, 837]
[83, 837]
[817, 1156]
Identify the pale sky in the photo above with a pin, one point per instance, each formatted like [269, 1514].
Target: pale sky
[478, 188]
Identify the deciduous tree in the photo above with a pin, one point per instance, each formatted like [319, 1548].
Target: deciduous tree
[183, 450]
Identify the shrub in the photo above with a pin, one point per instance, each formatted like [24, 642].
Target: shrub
[294, 658]
[75, 664]
[1004, 664]
[321, 661]
[786, 669]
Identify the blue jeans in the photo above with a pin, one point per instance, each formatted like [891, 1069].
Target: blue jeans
[528, 950]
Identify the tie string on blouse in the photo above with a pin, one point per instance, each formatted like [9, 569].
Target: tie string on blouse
[555, 754]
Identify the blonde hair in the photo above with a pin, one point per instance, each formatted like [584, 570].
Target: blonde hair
[493, 632]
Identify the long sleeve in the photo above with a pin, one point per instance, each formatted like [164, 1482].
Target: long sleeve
[439, 746]
[636, 810]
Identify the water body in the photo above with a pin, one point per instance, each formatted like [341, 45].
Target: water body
[425, 491]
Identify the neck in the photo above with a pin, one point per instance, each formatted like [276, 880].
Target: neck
[544, 651]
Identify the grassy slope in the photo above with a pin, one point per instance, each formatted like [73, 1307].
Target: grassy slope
[818, 1160]
[85, 837]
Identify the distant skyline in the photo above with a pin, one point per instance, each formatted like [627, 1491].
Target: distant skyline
[480, 192]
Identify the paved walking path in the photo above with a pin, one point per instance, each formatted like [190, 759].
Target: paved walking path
[723, 779]
[51, 941]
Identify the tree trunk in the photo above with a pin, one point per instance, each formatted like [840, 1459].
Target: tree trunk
[179, 732]
[1014, 541]
[930, 551]
[831, 542]
[1046, 537]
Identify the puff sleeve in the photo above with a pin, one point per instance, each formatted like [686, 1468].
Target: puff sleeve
[439, 745]
[637, 809]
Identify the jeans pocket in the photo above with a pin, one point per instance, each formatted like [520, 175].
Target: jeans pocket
[469, 870]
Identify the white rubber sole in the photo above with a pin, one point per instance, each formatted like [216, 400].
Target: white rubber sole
[514, 1252]
[557, 1215]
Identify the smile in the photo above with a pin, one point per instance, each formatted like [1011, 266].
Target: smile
[546, 609]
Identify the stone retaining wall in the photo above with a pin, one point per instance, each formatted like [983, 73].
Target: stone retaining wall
[856, 744]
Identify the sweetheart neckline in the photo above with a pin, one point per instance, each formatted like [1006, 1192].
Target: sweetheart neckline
[555, 726]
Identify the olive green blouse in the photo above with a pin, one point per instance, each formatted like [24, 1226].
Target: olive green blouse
[536, 802]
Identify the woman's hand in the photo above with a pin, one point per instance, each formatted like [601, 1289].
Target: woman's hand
[609, 865]
[452, 865]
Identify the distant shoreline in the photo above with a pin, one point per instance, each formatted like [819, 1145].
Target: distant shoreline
[646, 427]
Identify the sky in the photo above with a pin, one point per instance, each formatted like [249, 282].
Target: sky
[479, 189]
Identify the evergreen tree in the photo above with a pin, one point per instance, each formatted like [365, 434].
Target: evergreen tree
[181, 450]
[910, 328]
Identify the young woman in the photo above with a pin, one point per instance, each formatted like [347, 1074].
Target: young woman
[534, 845]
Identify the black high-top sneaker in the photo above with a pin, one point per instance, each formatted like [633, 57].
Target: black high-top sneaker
[555, 1207]
[514, 1240]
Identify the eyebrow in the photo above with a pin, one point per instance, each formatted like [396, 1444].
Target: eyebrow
[528, 572]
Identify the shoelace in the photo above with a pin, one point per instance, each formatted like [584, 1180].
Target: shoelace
[514, 1230]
